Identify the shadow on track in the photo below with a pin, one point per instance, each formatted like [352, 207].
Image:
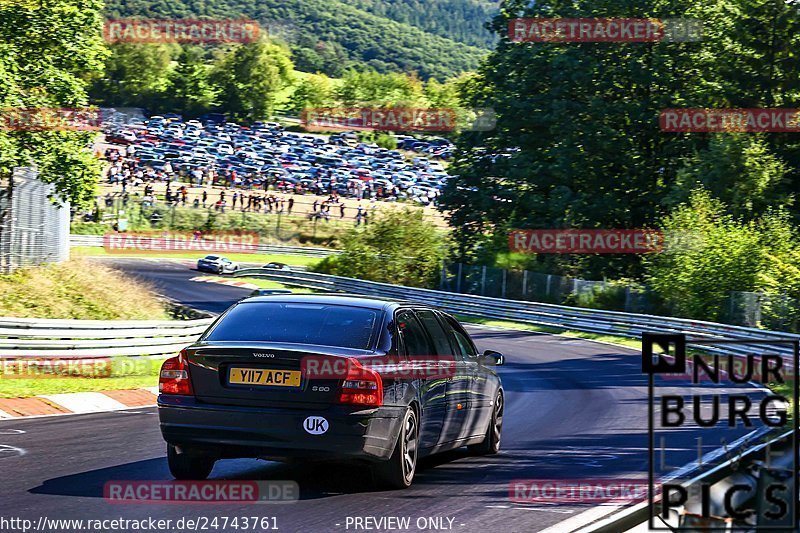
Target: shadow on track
[316, 479]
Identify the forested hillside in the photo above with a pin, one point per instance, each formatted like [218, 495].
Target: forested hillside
[460, 20]
[331, 35]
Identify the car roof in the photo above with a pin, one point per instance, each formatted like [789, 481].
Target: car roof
[345, 299]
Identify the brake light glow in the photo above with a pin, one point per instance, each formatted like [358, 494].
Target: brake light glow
[361, 386]
[174, 376]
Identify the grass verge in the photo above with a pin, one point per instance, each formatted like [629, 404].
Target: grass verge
[268, 284]
[785, 389]
[114, 374]
[77, 289]
[523, 326]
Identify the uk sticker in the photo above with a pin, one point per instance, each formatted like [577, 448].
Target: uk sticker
[315, 425]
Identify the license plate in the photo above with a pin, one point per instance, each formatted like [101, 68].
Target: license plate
[262, 376]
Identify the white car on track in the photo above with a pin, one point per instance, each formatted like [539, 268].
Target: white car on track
[217, 264]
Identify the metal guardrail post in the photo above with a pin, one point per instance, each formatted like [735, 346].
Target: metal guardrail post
[524, 282]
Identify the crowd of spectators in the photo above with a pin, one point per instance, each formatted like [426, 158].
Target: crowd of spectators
[125, 172]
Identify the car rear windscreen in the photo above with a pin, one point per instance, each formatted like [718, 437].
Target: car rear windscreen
[298, 323]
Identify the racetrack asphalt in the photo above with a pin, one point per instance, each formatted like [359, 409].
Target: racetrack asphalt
[575, 409]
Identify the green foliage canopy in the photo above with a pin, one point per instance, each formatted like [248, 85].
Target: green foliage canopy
[48, 52]
[400, 246]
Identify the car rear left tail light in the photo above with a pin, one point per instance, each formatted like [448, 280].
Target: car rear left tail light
[174, 376]
[361, 386]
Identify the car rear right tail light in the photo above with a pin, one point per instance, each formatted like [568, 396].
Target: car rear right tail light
[361, 386]
[174, 376]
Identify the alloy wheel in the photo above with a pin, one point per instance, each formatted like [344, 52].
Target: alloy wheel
[410, 447]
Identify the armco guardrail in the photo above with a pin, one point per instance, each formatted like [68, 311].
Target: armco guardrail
[740, 463]
[563, 317]
[44, 338]
[96, 241]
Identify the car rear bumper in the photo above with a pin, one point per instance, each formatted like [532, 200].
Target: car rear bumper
[237, 431]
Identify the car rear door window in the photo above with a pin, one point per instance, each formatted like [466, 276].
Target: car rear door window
[437, 333]
[414, 337]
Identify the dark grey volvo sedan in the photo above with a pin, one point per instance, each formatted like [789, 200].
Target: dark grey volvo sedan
[286, 376]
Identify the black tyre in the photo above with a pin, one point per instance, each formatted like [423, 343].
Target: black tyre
[398, 472]
[491, 442]
[187, 465]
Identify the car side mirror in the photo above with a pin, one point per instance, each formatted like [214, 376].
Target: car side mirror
[497, 358]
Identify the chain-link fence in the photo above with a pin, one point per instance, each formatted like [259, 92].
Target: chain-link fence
[773, 311]
[512, 284]
[751, 309]
[33, 230]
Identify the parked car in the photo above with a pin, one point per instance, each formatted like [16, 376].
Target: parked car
[247, 388]
[255, 151]
[216, 264]
[121, 137]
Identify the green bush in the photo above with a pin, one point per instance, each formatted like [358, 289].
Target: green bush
[610, 296]
[89, 228]
[384, 140]
[708, 254]
[399, 246]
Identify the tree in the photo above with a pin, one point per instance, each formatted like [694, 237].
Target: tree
[49, 52]
[371, 88]
[312, 91]
[710, 253]
[189, 85]
[249, 77]
[738, 169]
[401, 246]
[577, 142]
[137, 75]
